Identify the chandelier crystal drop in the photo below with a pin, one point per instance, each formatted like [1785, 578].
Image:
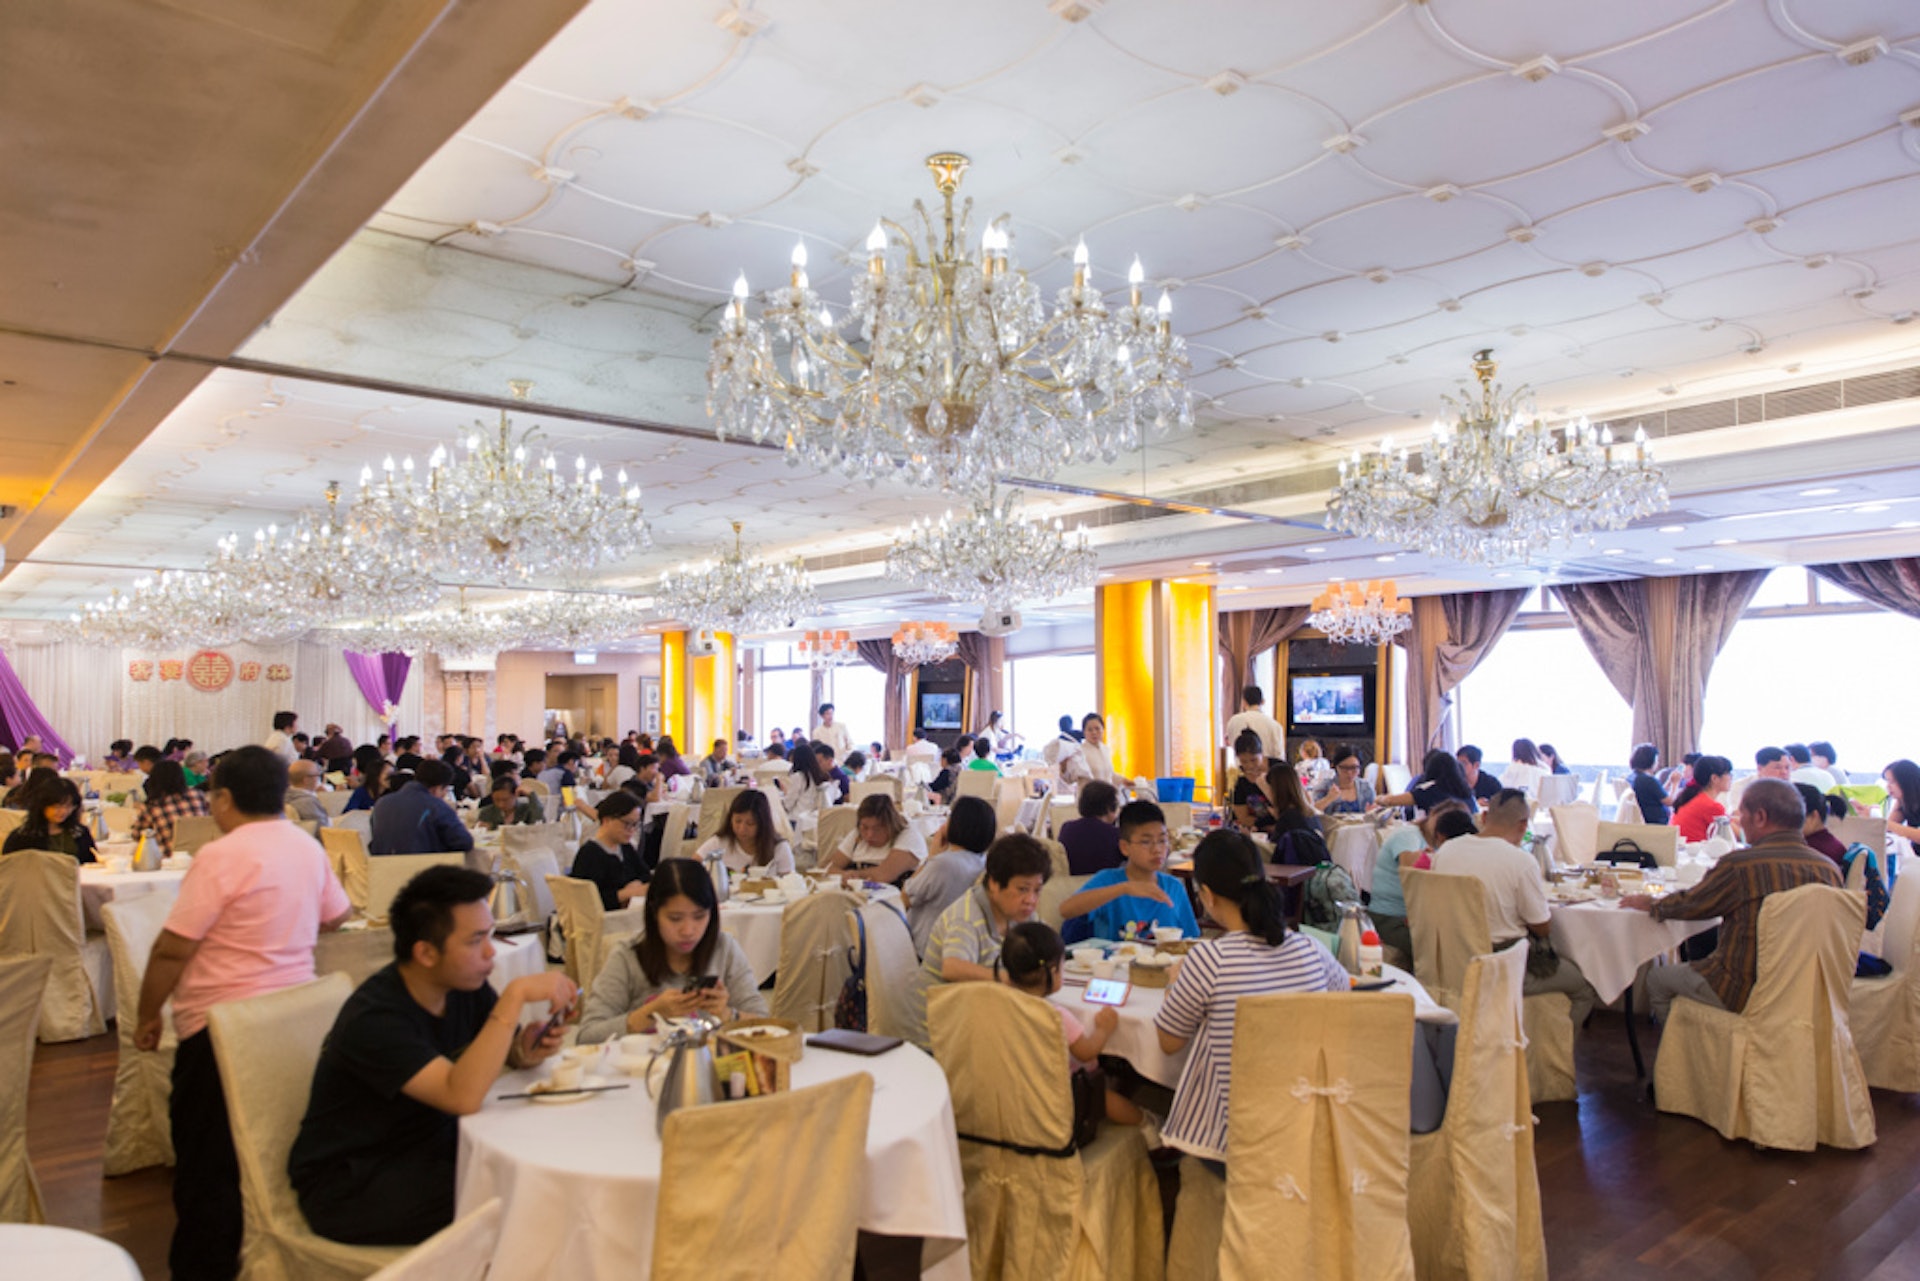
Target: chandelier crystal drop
[994, 555]
[1352, 614]
[828, 649]
[921, 644]
[499, 513]
[952, 373]
[732, 593]
[1499, 485]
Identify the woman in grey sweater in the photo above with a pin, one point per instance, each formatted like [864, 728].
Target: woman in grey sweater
[659, 975]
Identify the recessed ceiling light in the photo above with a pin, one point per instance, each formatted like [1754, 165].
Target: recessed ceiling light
[1273, 571]
[1315, 551]
[1385, 560]
[1825, 491]
[1202, 564]
[1872, 507]
[1663, 560]
[1906, 524]
[1700, 567]
[1106, 573]
[1673, 529]
[1614, 551]
[1725, 542]
[1236, 589]
[1503, 574]
[1336, 579]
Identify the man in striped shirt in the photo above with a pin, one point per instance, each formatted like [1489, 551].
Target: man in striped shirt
[1777, 858]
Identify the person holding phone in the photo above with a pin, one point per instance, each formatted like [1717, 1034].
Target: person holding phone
[681, 963]
[1032, 958]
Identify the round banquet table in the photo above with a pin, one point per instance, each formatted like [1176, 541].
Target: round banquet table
[36, 1250]
[1610, 943]
[756, 927]
[98, 887]
[580, 1182]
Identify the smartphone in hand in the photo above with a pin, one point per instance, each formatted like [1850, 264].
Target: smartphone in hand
[702, 982]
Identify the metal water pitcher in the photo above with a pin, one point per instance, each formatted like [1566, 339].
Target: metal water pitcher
[689, 1080]
[511, 900]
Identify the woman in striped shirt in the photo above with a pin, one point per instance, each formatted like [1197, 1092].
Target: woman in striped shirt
[1257, 955]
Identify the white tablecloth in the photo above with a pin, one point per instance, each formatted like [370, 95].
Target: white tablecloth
[34, 1250]
[99, 887]
[1610, 943]
[1136, 1042]
[581, 1182]
[1356, 847]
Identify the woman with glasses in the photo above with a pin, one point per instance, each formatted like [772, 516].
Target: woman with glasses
[1346, 792]
[611, 859]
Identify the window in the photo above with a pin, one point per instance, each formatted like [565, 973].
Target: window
[783, 698]
[859, 697]
[1542, 683]
[1263, 676]
[1045, 688]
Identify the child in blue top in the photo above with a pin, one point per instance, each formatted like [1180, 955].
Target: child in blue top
[1129, 900]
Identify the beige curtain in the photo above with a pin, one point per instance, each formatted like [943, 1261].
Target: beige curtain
[879, 654]
[1247, 632]
[986, 660]
[1891, 584]
[1656, 639]
[1449, 637]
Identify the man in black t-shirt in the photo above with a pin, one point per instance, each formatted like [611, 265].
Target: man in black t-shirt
[415, 1048]
[1485, 786]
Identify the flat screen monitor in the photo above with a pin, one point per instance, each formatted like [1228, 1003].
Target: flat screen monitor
[1339, 699]
[940, 711]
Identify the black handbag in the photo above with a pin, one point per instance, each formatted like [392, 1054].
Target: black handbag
[1627, 850]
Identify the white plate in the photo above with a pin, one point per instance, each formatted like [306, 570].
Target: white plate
[1077, 971]
[554, 1100]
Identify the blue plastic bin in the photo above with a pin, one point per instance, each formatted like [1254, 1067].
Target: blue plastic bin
[1174, 789]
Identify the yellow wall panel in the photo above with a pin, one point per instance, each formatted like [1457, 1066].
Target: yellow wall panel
[675, 694]
[1124, 639]
[1190, 676]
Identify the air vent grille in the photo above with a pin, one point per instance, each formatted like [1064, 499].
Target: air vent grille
[1792, 402]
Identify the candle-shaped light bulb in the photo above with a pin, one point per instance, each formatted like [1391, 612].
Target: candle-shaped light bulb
[1606, 435]
[1080, 264]
[1080, 254]
[366, 476]
[387, 466]
[1135, 275]
[406, 466]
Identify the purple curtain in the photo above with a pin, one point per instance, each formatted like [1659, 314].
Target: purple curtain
[20, 718]
[380, 677]
[1893, 585]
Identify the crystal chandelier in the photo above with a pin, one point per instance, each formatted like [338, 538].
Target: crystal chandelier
[921, 644]
[994, 555]
[954, 372]
[459, 633]
[319, 571]
[825, 649]
[1500, 485]
[733, 594]
[219, 605]
[496, 513]
[1350, 614]
[576, 620]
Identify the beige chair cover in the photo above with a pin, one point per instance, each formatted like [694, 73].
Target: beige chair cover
[1058, 854]
[977, 782]
[835, 822]
[1576, 832]
[461, 1251]
[803, 1225]
[535, 866]
[1006, 807]
[1091, 1217]
[358, 954]
[22, 980]
[1179, 815]
[516, 838]
[1661, 840]
[673, 831]
[714, 803]
[1870, 832]
[10, 819]
[1473, 1193]
[126, 782]
[335, 803]
[534, 787]
[139, 1130]
[119, 820]
[1199, 1221]
[40, 916]
[1317, 1124]
[267, 1047]
[1886, 1011]
[1448, 917]
[1058, 889]
[891, 962]
[1059, 814]
[582, 920]
[193, 831]
[1783, 1073]
[886, 784]
[388, 874]
[347, 852]
[814, 958]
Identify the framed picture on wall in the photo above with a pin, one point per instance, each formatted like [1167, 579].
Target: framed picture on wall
[650, 721]
[650, 696]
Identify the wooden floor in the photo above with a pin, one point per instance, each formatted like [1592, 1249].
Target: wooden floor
[1628, 1193]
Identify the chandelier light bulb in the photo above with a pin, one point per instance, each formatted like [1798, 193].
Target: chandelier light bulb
[387, 466]
[877, 240]
[1080, 254]
[407, 466]
[1136, 273]
[800, 254]
[1166, 305]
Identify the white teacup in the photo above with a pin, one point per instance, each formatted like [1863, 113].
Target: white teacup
[1167, 933]
[119, 865]
[638, 1044]
[1087, 957]
[1104, 969]
[567, 1074]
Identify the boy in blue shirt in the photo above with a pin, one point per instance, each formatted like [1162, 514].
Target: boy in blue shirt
[1128, 901]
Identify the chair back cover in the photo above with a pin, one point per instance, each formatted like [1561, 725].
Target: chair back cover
[1006, 1065]
[536, 866]
[1058, 889]
[814, 964]
[40, 916]
[1576, 832]
[802, 1223]
[1399, 777]
[891, 962]
[358, 954]
[582, 920]
[1006, 807]
[1870, 832]
[884, 785]
[1558, 789]
[388, 874]
[10, 819]
[835, 822]
[516, 838]
[977, 782]
[714, 803]
[139, 1129]
[1662, 840]
[120, 819]
[1317, 1122]
[1474, 1193]
[1448, 917]
[334, 803]
[347, 852]
[193, 831]
[267, 1047]
[461, 1251]
[1058, 854]
[360, 821]
[1782, 1073]
[1886, 1011]
[22, 980]
[1179, 815]
[1059, 814]
[673, 831]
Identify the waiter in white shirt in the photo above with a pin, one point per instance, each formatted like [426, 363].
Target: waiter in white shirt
[280, 742]
[825, 730]
[1253, 716]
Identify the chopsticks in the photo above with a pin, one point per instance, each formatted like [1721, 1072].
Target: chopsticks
[547, 1094]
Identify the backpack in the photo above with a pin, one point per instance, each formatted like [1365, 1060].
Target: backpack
[1876, 887]
[1325, 890]
[1301, 847]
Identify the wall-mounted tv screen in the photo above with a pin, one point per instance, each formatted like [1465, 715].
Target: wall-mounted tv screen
[1329, 700]
[940, 711]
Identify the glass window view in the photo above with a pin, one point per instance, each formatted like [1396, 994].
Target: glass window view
[1046, 688]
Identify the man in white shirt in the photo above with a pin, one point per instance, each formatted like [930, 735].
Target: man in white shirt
[834, 735]
[1805, 771]
[1516, 893]
[280, 742]
[1253, 716]
[923, 748]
